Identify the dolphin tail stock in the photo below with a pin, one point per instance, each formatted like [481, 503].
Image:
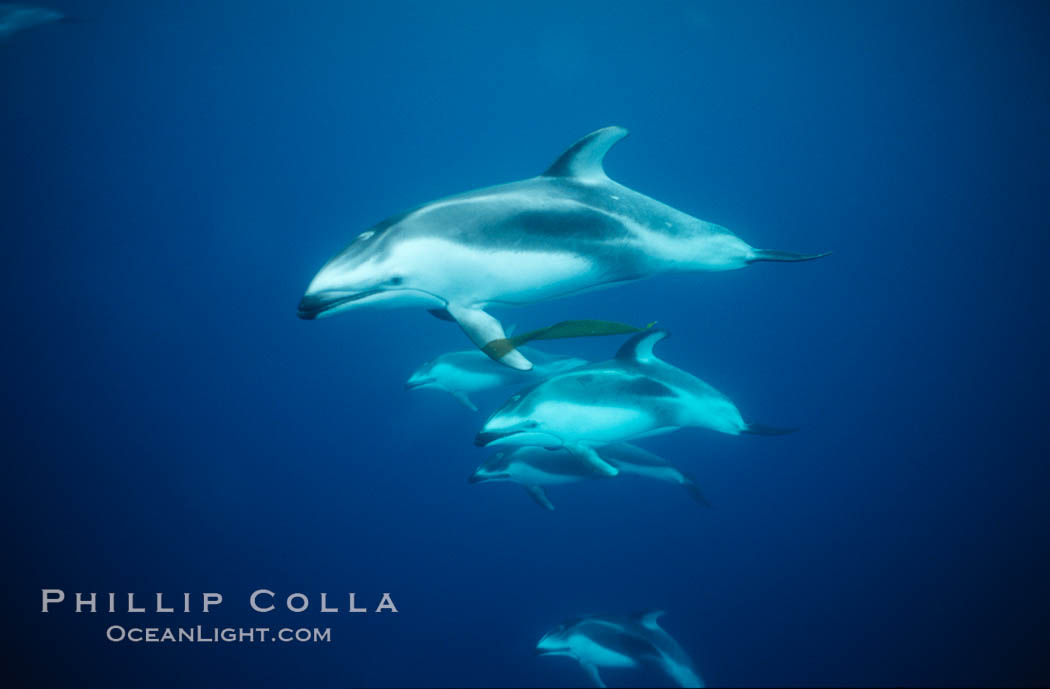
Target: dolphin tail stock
[539, 496]
[762, 429]
[783, 256]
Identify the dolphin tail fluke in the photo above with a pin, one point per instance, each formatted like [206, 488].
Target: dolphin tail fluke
[694, 490]
[540, 497]
[762, 429]
[783, 256]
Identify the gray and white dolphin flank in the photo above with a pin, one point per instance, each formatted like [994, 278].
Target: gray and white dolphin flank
[620, 642]
[17, 18]
[535, 468]
[567, 231]
[462, 373]
[634, 395]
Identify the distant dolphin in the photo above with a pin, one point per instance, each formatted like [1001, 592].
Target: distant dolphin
[16, 18]
[620, 642]
[570, 230]
[535, 467]
[465, 372]
[632, 396]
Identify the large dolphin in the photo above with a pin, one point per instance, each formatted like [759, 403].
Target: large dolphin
[632, 396]
[465, 372]
[620, 642]
[535, 468]
[15, 18]
[569, 230]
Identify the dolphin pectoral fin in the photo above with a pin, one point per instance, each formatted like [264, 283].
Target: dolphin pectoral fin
[462, 398]
[592, 672]
[441, 314]
[583, 160]
[602, 466]
[694, 490]
[484, 330]
[540, 496]
[783, 256]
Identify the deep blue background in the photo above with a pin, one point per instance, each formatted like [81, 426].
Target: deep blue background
[174, 173]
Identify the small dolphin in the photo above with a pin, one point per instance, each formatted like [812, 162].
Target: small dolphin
[620, 642]
[570, 230]
[465, 372]
[534, 467]
[16, 18]
[632, 396]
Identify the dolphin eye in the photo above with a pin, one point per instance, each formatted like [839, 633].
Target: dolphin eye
[396, 280]
[532, 424]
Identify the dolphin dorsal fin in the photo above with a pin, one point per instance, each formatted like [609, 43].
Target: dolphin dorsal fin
[584, 158]
[640, 347]
[649, 619]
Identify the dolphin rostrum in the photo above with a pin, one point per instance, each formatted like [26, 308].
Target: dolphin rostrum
[534, 468]
[569, 230]
[631, 396]
[620, 642]
[468, 371]
[15, 18]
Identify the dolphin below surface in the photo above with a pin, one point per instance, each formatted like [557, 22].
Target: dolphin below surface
[620, 642]
[535, 468]
[469, 371]
[634, 395]
[16, 18]
[569, 230]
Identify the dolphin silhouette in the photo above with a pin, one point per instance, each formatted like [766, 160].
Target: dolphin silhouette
[567, 231]
[535, 468]
[15, 18]
[634, 395]
[465, 372]
[620, 642]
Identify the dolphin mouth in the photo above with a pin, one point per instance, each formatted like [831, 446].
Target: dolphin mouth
[312, 306]
[549, 652]
[474, 478]
[486, 437]
[413, 384]
[532, 436]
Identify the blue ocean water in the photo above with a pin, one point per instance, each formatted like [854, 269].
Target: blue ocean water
[175, 173]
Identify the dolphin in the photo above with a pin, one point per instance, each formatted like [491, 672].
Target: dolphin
[620, 642]
[534, 468]
[16, 18]
[634, 395]
[567, 231]
[469, 371]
